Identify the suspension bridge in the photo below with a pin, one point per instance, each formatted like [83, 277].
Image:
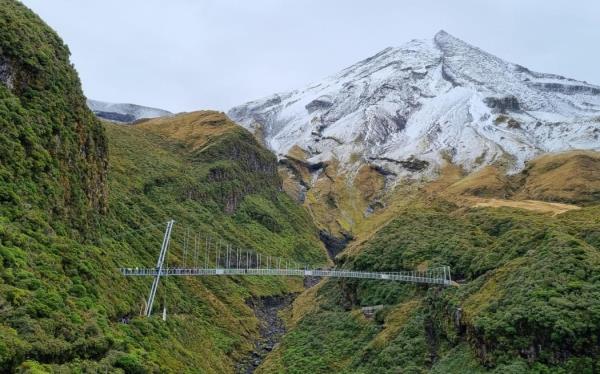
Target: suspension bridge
[224, 260]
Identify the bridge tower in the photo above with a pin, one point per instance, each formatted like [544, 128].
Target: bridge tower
[159, 267]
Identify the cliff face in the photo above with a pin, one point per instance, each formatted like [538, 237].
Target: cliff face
[53, 151]
[233, 164]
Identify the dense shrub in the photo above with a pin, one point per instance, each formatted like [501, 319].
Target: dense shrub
[63, 305]
[528, 299]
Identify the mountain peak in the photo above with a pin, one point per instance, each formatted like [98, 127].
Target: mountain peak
[404, 110]
[447, 43]
[441, 34]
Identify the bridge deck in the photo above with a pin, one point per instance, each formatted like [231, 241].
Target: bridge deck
[429, 277]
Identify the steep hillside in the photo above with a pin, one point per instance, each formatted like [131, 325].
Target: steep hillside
[527, 268]
[53, 152]
[567, 177]
[74, 211]
[418, 157]
[527, 300]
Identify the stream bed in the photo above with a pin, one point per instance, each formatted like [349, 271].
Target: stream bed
[271, 328]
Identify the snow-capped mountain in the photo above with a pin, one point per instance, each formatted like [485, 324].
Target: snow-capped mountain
[407, 109]
[124, 113]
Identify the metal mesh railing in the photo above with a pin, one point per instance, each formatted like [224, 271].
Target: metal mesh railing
[439, 275]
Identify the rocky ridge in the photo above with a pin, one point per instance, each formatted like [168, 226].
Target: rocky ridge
[124, 113]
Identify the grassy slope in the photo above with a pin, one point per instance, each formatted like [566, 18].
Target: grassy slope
[356, 203]
[566, 177]
[531, 279]
[529, 299]
[62, 299]
[569, 177]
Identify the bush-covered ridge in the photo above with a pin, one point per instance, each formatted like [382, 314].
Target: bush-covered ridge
[243, 166]
[53, 152]
[62, 300]
[528, 300]
[62, 235]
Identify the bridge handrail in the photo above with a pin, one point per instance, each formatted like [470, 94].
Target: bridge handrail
[407, 276]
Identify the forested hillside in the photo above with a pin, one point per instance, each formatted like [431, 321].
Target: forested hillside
[79, 199]
[527, 299]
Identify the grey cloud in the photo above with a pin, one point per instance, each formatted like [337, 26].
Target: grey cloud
[184, 55]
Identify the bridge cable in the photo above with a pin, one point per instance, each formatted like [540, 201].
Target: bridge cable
[206, 244]
[185, 244]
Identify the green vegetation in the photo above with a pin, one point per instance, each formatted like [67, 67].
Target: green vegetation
[70, 216]
[52, 149]
[528, 300]
[63, 298]
[572, 177]
[565, 177]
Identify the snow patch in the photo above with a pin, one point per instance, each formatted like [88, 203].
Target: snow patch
[429, 100]
[125, 113]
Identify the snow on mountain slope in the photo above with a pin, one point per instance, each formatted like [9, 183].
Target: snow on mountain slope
[407, 109]
[124, 113]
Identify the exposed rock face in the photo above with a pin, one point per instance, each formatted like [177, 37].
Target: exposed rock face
[430, 100]
[238, 164]
[412, 163]
[320, 103]
[334, 244]
[571, 89]
[115, 117]
[6, 74]
[503, 104]
[250, 169]
[271, 328]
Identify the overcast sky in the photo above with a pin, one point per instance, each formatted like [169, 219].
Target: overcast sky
[183, 55]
